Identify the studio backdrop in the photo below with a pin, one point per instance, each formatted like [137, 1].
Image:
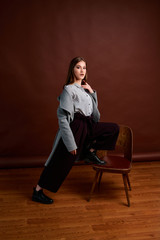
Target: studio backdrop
[120, 41]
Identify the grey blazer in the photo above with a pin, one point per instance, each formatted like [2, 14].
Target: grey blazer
[65, 114]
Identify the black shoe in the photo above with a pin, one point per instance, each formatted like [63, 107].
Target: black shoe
[91, 157]
[39, 196]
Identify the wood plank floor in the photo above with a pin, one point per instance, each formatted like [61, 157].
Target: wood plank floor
[71, 217]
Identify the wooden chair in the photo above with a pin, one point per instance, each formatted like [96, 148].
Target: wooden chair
[116, 163]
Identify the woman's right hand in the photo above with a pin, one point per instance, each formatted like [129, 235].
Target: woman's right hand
[74, 152]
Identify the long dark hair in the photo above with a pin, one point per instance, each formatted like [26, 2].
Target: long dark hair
[70, 76]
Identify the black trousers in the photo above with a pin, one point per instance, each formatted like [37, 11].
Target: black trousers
[87, 134]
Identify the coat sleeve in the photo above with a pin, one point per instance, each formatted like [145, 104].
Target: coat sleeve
[65, 112]
[94, 96]
[65, 130]
[96, 113]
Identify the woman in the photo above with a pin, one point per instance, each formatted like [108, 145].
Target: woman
[80, 132]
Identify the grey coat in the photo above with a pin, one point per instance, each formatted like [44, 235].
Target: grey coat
[65, 114]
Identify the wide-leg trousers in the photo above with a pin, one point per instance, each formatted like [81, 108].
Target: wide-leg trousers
[87, 134]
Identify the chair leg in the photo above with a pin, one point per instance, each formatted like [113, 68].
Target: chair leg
[94, 184]
[99, 181]
[129, 185]
[126, 188]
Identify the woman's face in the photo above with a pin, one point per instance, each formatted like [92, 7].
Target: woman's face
[80, 70]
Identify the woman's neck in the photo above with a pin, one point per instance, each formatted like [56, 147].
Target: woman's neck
[78, 82]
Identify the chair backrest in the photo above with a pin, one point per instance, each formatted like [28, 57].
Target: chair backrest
[125, 141]
[124, 144]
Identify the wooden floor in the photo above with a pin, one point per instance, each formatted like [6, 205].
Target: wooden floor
[71, 217]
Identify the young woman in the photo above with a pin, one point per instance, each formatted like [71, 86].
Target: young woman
[80, 133]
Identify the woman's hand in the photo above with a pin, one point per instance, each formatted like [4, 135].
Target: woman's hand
[74, 152]
[88, 87]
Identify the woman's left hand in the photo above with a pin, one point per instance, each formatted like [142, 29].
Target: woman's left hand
[88, 87]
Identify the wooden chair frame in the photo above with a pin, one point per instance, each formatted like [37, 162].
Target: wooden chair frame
[118, 163]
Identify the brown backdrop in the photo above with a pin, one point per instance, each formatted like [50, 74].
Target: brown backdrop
[119, 39]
